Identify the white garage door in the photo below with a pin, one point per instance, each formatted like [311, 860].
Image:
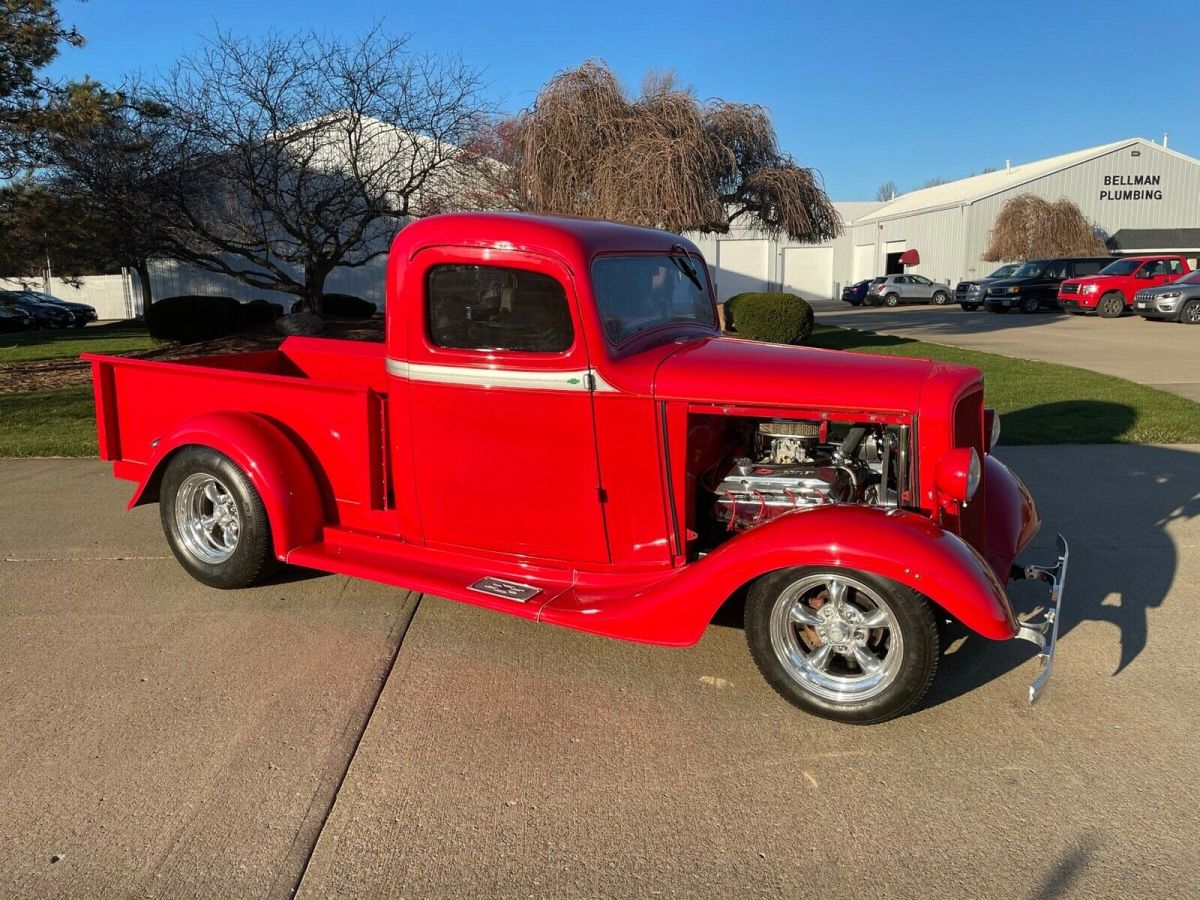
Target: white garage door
[864, 261]
[808, 272]
[741, 266]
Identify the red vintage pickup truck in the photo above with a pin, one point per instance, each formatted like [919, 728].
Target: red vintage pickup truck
[557, 429]
[1109, 293]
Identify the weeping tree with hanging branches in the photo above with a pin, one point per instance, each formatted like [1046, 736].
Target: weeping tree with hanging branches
[663, 159]
[1031, 227]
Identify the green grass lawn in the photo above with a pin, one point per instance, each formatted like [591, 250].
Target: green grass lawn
[27, 346]
[1040, 403]
[1043, 403]
[59, 422]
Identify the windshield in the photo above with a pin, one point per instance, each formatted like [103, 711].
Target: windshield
[1004, 271]
[636, 293]
[1030, 269]
[1121, 267]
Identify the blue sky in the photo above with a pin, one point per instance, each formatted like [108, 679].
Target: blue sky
[865, 93]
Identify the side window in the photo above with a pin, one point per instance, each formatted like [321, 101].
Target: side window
[1150, 269]
[493, 308]
[1087, 267]
[919, 279]
[1174, 267]
[1057, 271]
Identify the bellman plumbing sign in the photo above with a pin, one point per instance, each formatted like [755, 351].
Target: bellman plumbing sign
[1132, 187]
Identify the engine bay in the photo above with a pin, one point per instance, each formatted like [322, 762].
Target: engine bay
[754, 470]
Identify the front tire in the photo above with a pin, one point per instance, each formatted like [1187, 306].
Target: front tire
[1030, 304]
[842, 644]
[940, 298]
[214, 520]
[1111, 305]
[1189, 314]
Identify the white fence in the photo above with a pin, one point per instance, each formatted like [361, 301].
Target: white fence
[114, 296]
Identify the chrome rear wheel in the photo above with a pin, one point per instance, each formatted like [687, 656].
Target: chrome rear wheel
[207, 517]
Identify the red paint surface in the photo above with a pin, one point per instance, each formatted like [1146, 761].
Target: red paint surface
[584, 495]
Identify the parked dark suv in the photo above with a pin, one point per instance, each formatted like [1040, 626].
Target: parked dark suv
[1035, 284]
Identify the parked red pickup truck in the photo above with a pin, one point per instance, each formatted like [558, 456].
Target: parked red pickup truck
[557, 429]
[1110, 292]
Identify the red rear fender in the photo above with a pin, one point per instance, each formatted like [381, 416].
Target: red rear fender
[270, 460]
[902, 546]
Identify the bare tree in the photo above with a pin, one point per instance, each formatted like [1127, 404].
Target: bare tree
[288, 157]
[663, 159]
[887, 191]
[1031, 227]
[933, 182]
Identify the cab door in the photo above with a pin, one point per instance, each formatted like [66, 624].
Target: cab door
[502, 428]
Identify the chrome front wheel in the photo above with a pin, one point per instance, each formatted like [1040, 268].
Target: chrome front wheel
[844, 644]
[836, 637]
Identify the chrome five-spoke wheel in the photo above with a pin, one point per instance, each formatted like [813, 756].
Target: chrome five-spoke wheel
[207, 517]
[214, 519]
[837, 637]
[841, 643]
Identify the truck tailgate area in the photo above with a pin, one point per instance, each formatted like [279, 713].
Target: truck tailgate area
[328, 396]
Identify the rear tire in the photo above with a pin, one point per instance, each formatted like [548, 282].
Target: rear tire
[1111, 305]
[940, 298]
[891, 300]
[1189, 314]
[214, 520]
[860, 653]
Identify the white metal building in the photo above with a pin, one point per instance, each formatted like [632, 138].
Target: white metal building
[1134, 190]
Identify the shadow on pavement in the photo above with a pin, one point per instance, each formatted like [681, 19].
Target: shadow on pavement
[1123, 560]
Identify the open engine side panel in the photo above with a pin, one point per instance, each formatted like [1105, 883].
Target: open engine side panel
[745, 469]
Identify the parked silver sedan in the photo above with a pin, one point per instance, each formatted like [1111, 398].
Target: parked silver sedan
[897, 289]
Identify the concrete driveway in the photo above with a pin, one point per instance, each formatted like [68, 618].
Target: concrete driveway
[1165, 355]
[164, 739]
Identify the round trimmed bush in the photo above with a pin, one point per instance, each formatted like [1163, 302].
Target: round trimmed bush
[345, 305]
[192, 318]
[258, 312]
[775, 317]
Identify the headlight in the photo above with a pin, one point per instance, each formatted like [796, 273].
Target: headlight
[1170, 295]
[1090, 288]
[1013, 290]
[958, 474]
[991, 427]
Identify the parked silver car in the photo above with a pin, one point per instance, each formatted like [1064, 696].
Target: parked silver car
[896, 289]
[1178, 301]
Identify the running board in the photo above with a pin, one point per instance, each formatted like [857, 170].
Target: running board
[404, 565]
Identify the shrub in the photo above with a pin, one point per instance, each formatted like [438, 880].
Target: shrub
[192, 318]
[346, 305]
[258, 312]
[775, 317]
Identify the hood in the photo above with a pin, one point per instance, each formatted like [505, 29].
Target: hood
[736, 371]
[1013, 282]
[1170, 288]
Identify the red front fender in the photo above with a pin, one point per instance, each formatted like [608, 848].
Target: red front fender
[902, 546]
[270, 460]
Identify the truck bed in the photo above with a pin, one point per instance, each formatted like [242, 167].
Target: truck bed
[328, 396]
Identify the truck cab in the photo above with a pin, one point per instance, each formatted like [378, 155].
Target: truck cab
[556, 428]
[1110, 292]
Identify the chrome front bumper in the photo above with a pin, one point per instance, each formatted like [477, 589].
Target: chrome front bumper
[1043, 631]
